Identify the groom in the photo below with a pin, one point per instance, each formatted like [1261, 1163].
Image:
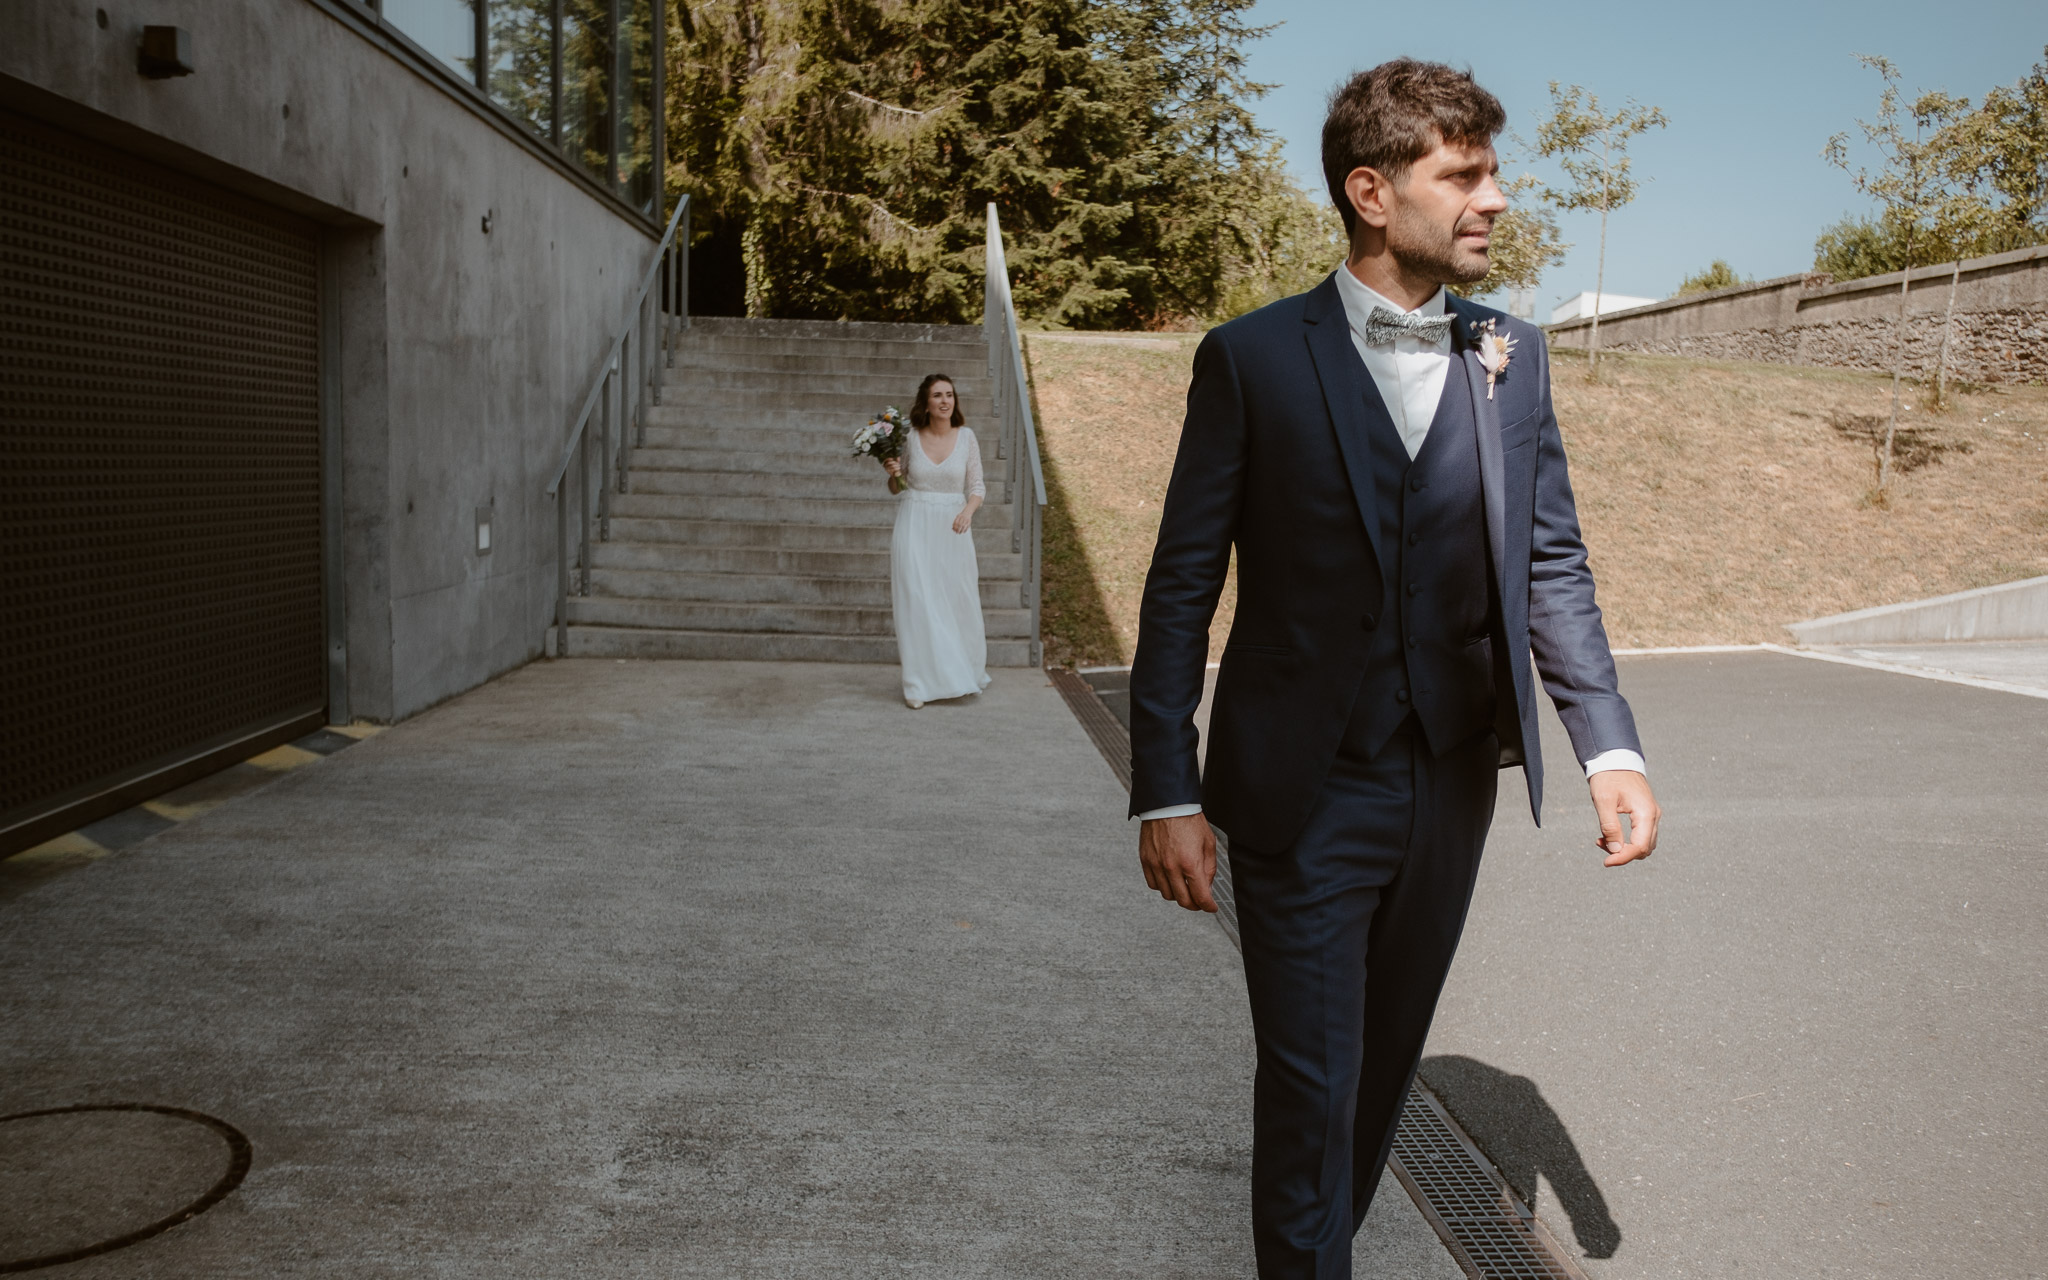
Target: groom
[1406, 540]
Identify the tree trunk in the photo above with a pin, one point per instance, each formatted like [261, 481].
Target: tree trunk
[1891, 430]
[1599, 271]
[1948, 324]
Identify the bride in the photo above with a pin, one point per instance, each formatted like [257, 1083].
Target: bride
[934, 581]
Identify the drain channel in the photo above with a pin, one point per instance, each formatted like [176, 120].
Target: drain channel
[1489, 1232]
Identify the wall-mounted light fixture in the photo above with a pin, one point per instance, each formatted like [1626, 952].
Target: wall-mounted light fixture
[165, 52]
[483, 531]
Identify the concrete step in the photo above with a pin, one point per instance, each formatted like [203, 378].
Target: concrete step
[772, 589]
[794, 462]
[810, 399]
[683, 557]
[636, 642]
[879, 510]
[697, 615]
[912, 364]
[777, 535]
[816, 434]
[870, 481]
[888, 330]
[883, 386]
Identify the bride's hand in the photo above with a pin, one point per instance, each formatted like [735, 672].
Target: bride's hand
[894, 466]
[963, 522]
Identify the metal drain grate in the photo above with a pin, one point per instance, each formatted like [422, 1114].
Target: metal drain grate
[1489, 1232]
[1108, 733]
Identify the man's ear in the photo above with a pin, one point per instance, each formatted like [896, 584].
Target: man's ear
[1370, 193]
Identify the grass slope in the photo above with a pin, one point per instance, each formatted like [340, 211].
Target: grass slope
[1719, 500]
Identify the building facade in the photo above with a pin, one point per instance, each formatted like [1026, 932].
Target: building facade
[300, 299]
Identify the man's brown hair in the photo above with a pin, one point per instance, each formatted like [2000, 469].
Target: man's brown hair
[1395, 114]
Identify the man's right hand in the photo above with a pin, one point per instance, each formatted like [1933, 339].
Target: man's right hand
[1179, 856]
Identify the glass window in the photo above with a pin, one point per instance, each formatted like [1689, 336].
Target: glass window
[636, 106]
[444, 28]
[586, 85]
[523, 61]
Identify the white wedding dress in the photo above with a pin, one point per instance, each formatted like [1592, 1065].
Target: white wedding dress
[934, 581]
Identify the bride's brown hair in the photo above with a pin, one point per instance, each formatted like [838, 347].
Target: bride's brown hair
[921, 409]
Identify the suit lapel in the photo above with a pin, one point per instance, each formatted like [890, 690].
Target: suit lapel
[1350, 394]
[1492, 470]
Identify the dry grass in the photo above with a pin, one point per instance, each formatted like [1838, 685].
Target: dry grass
[1719, 500]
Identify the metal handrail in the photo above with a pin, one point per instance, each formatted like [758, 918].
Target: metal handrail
[1015, 425]
[630, 349]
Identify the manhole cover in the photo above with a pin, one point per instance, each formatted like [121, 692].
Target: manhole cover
[79, 1181]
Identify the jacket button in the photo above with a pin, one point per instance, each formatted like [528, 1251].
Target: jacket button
[1411, 642]
[1400, 695]
[1414, 587]
[1368, 622]
[1414, 538]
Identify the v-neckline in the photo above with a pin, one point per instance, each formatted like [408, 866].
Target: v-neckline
[949, 453]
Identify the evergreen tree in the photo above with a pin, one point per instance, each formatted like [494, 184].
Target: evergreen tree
[847, 150]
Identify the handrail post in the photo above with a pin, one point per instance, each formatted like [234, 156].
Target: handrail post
[625, 422]
[561, 572]
[604, 478]
[583, 510]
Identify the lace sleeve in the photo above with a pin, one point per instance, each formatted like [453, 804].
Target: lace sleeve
[975, 488]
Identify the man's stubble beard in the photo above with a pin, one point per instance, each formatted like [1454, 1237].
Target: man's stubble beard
[1431, 251]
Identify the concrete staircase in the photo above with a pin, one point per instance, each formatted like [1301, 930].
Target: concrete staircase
[746, 531]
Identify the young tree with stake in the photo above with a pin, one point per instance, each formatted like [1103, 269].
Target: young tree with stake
[1591, 146]
[1912, 186]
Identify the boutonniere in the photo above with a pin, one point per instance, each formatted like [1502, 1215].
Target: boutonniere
[1495, 350]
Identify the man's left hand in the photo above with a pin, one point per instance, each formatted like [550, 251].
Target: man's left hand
[1619, 791]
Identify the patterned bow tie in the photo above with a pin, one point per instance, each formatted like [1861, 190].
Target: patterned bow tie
[1383, 326]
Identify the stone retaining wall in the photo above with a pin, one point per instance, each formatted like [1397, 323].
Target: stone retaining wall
[2000, 329]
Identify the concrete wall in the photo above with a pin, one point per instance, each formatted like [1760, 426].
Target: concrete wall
[463, 352]
[2008, 611]
[2000, 332]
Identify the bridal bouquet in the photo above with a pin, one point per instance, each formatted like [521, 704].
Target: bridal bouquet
[884, 436]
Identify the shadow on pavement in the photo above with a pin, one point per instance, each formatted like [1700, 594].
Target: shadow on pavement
[1507, 1117]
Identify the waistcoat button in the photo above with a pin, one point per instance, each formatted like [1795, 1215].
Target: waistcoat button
[1400, 695]
[1414, 587]
[1418, 484]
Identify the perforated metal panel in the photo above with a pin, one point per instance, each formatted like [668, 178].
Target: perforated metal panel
[160, 582]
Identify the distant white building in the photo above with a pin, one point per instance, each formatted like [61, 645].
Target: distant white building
[1582, 305]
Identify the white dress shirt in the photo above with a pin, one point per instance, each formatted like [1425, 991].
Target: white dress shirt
[1410, 376]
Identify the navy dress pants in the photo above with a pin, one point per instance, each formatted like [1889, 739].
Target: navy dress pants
[1348, 935]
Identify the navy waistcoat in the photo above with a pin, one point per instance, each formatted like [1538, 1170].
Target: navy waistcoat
[1432, 650]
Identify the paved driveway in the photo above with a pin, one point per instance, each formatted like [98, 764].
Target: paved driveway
[1806, 1039]
[649, 969]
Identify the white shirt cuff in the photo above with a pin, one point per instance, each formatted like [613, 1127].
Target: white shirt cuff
[1621, 758]
[1170, 811]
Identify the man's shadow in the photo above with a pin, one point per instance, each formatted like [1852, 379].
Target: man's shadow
[1509, 1120]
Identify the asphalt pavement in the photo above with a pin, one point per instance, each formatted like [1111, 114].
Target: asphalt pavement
[1806, 1038]
[646, 969]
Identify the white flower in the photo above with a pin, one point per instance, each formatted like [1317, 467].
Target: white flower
[1495, 350]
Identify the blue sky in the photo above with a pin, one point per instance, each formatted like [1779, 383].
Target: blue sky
[1753, 91]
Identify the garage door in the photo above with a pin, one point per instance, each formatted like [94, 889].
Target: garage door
[160, 585]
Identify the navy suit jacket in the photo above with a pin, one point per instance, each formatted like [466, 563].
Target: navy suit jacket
[1274, 460]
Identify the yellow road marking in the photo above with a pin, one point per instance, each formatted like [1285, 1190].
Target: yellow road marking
[280, 759]
[67, 847]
